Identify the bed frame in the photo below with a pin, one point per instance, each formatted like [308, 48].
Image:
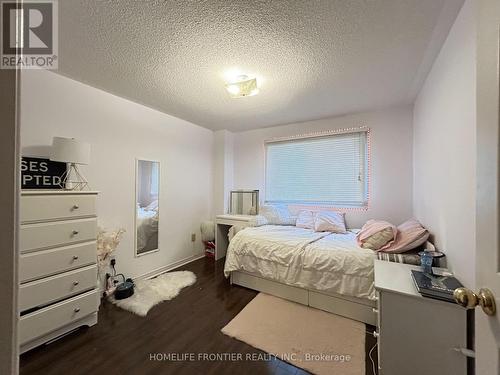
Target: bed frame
[362, 310]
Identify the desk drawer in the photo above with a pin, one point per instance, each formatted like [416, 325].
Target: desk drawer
[44, 263]
[58, 233]
[56, 207]
[51, 318]
[54, 288]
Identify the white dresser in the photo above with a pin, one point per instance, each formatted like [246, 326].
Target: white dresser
[57, 264]
[416, 335]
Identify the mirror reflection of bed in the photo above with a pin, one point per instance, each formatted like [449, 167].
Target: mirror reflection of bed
[147, 207]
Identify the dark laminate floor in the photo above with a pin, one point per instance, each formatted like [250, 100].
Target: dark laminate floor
[121, 342]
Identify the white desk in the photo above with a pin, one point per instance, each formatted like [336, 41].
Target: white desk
[416, 335]
[223, 223]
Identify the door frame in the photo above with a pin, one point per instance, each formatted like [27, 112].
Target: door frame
[487, 188]
[9, 196]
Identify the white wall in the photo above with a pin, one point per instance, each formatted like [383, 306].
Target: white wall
[120, 131]
[223, 166]
[391, 158]
[444, 147]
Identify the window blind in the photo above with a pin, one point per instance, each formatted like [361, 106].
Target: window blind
[319, 170]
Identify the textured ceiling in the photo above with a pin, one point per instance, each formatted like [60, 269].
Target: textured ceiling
[313, 59]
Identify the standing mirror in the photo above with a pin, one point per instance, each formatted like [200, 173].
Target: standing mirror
[147, 179]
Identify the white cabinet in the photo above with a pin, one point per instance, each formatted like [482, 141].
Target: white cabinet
[416, 335]
[57, 264]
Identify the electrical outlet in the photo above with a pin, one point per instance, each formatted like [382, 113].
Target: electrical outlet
[193, 237]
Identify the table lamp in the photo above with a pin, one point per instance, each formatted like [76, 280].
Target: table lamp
[74, 153]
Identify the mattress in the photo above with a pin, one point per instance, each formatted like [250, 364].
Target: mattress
[323, 261]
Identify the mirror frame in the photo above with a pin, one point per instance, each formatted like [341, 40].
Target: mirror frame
[137, 160]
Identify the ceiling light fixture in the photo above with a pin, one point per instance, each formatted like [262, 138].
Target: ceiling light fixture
[242, 86]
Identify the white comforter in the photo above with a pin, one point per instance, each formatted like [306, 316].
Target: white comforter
[322, 261]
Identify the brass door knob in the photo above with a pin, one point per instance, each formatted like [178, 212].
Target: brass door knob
[468, 299]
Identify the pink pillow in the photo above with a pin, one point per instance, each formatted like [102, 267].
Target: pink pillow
[376, 235]
[329, 221]
[305, 220]
[411, 234]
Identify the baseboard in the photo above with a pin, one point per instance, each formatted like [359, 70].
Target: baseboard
[169, 267]
[158, 271]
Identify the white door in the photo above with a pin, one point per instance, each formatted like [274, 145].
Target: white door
[487, 222]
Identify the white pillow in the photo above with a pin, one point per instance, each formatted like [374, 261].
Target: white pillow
[277, 214]
[305, 220]
[258, 220]
[329, 221]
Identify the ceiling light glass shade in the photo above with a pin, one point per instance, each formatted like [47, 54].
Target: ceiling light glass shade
[242, 87]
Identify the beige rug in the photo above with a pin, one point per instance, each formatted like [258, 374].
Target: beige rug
[314, 340]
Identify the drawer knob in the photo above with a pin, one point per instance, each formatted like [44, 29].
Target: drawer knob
[375, 311]
[75, 257]
[74, 233]
[77, 309]
[75, 283]
[376, 334]
[75, 207]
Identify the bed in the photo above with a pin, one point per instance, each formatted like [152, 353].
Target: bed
[320, 269]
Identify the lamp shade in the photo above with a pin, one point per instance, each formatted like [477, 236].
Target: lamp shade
[70, 150]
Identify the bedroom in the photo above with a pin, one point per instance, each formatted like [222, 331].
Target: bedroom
[266, 135]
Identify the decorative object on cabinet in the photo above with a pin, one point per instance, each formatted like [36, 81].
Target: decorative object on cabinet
[40, 173]
[57, 264]
[244, 202]
[73, 152]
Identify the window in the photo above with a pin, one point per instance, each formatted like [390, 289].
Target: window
[155, 179]
[327, 169]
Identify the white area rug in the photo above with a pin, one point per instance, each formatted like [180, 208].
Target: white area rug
[148, 293]
[314, 340]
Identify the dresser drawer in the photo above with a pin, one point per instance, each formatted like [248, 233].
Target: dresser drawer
[51, 318]
[44, 263]
[57, 233]
[56, 207]
[44, 291]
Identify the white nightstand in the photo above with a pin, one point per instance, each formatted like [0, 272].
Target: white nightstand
[223, 223]
[416, 335]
